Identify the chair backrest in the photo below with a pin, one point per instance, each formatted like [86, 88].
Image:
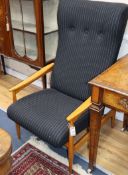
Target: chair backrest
[90, 35]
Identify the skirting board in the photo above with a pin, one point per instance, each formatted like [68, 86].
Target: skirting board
[38, 83]
[20, 76]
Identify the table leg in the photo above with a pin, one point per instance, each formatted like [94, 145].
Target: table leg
[95, 125]
[125, 122]
[96, 110]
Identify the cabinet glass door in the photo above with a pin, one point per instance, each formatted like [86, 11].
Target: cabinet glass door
[50, 9]
[24, 33]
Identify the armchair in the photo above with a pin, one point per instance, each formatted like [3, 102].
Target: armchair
[90, 35]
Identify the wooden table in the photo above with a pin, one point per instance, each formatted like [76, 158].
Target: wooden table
[5, 152]
[108, 89]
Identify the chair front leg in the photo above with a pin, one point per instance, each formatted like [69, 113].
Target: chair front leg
[71, 152]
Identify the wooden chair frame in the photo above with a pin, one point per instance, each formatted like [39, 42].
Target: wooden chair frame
[71, 146]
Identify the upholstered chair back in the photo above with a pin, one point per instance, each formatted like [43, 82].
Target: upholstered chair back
[90, 35]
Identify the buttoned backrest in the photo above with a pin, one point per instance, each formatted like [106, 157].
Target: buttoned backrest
[90, 35]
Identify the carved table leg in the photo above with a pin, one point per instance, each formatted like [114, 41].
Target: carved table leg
[125, 122]
[95, 125]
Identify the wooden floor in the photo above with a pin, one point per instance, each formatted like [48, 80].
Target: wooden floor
[113, 146]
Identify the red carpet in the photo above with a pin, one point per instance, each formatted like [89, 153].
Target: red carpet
[31, 161]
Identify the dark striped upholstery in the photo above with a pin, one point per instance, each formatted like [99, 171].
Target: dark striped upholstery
[90, 35]
[44, 113]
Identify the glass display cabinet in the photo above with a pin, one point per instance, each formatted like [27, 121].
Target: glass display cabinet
[30, 30]
[24, 29]
[33, 27]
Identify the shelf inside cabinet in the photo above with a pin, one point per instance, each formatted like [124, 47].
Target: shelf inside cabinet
[31, 28]
[49, 30]
[27, 27]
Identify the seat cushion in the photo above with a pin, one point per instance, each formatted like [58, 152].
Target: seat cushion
[44, 114]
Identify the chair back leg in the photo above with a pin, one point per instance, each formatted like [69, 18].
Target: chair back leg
[18, 131]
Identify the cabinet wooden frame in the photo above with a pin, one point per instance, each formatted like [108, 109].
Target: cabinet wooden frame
[2, 27]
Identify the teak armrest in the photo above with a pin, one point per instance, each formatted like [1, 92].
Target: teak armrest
[32, 78]
[78, 111]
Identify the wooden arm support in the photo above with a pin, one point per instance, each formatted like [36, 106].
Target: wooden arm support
[72, 147]
[77, 112]
[32, 78]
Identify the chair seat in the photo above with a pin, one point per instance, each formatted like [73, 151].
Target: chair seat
[44, 114]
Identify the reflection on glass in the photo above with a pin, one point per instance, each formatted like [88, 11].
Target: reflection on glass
[28, 16]
[24, 27]
[50, 49]
[31, 46]
[19, 43]
[16, 14]
[50, 15]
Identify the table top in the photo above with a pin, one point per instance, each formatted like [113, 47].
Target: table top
[5, 143]
[115, 78]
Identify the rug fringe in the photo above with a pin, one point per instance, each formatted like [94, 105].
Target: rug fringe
[44, 147]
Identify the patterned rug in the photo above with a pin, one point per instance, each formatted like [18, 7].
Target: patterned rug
[30, 160]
